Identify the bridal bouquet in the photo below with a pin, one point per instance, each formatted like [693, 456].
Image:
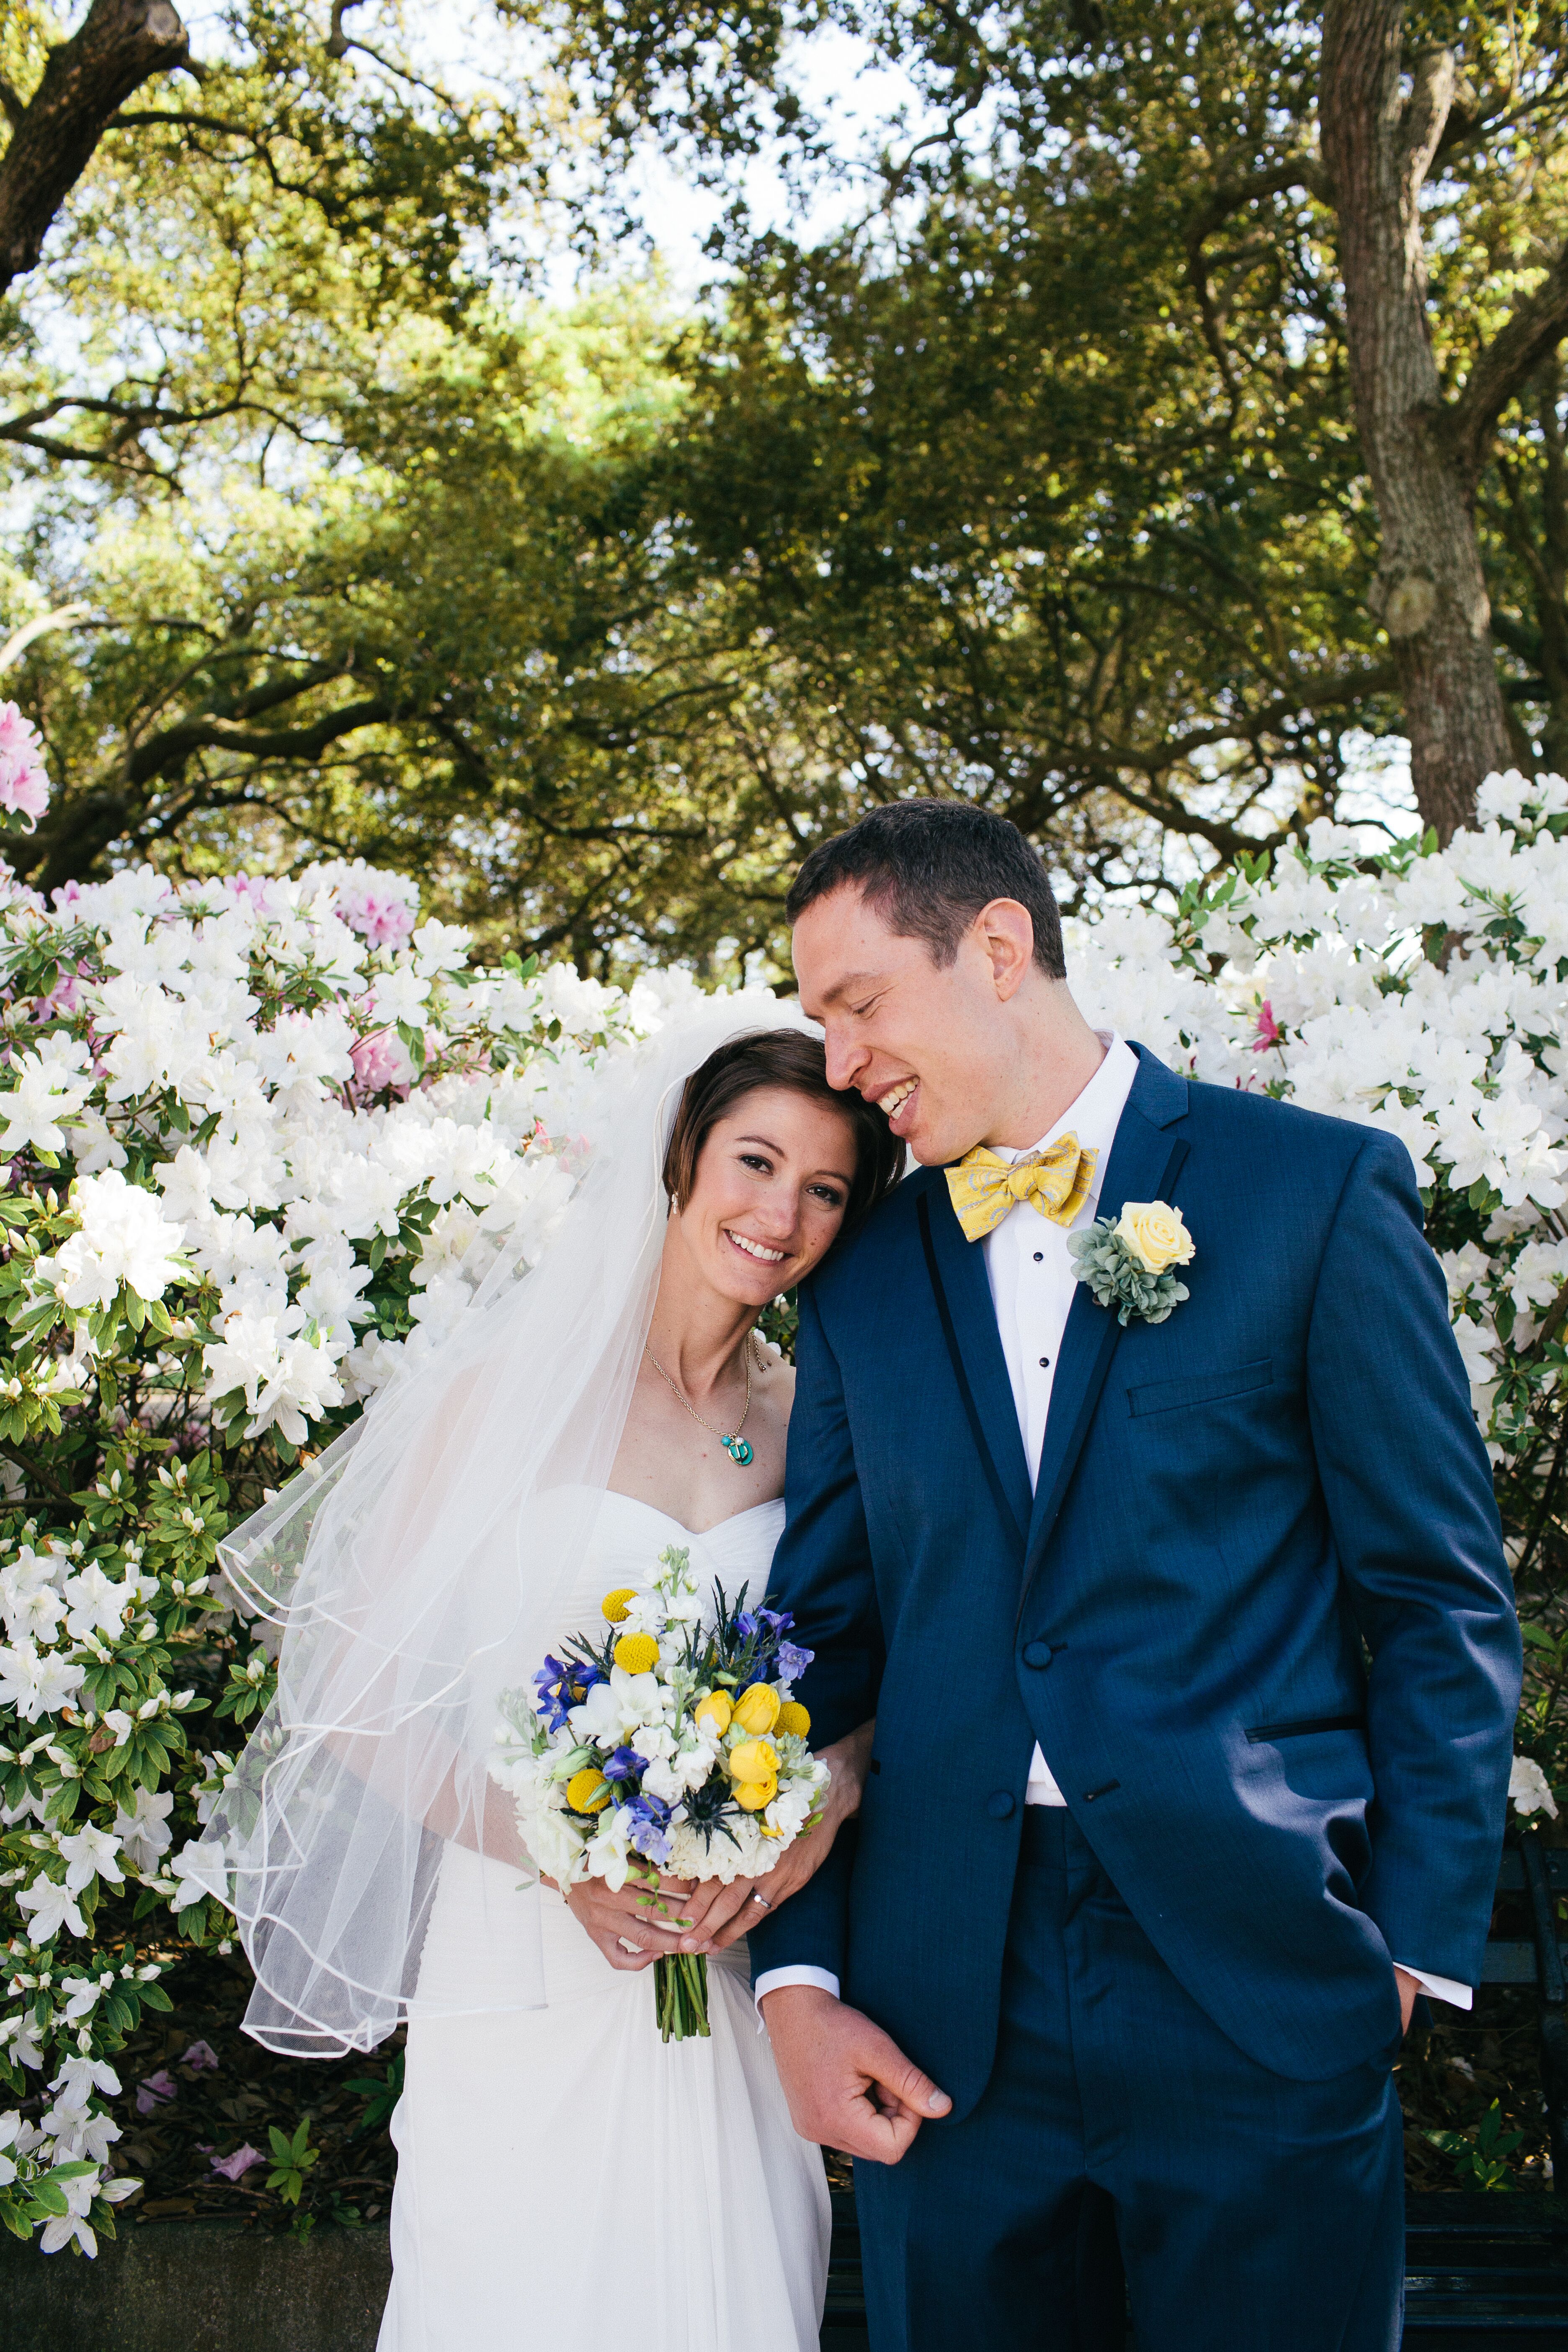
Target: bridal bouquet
[670, 1742]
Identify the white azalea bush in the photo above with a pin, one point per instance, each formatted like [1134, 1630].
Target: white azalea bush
[258, 1141]
[1423, 992]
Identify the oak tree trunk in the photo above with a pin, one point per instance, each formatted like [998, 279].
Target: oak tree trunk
[85, 82]
[1430, 594]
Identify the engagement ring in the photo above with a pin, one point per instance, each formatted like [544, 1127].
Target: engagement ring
[764, 1901]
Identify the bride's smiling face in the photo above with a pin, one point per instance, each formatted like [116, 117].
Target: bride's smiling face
[772, 1185]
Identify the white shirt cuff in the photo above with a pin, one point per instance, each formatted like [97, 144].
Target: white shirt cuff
[773, 1980]
[1440, 1987]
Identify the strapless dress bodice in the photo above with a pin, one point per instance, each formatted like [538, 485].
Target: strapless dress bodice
[627, 1537]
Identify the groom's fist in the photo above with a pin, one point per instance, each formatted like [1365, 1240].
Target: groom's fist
[848, 2084]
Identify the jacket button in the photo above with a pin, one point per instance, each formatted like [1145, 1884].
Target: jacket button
[999, 1805]
[1037, 1654]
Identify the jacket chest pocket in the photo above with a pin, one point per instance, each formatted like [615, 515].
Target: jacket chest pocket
[1153, 1397]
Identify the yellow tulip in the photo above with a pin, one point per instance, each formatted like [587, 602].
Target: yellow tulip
[753, 1795]
[793, 1717]
[636, 1653]
[613, 1604]
[588, 1792]
[716, 1708]
[757, 1709]
[753, 1759]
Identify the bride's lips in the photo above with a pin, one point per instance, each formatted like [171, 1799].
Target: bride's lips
[757, 1253]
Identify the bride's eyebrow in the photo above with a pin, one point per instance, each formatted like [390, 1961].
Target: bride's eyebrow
[779, 1152]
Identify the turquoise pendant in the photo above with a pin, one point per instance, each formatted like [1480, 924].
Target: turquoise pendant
[737, 1449]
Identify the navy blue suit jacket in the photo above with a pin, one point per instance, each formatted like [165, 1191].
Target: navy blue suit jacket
[1256, 1612]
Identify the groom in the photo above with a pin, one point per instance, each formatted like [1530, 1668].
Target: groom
[1190, 1647]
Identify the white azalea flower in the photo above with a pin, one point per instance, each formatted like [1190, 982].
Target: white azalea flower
[1529, 1790]
[50, 1908]
[90, 1854]
[124, 1237]
[144, 1832]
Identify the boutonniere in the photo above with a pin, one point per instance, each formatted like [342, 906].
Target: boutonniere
[1127, 1261]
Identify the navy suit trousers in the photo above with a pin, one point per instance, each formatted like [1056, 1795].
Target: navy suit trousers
[1121, 2132]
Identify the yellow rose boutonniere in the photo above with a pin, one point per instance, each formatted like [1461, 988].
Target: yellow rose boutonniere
[1126, 1261]
[1156, 1233]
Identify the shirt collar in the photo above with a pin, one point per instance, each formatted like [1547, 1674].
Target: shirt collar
[1092, 1117]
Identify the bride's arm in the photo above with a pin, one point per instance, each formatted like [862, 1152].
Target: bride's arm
[720, 1912]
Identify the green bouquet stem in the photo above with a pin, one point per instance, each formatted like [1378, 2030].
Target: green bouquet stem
[680, 1996]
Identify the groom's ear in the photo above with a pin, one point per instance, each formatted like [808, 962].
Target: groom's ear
[1004, 933]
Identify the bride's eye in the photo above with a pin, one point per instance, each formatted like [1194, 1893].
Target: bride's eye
[755, 1159]
[829, 1193]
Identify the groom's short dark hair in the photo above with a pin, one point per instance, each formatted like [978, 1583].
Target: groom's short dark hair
[928, 867]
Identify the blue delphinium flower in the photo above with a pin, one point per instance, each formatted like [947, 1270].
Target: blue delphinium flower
[624, 1765]
[650, 1833]
[792, 1661]
[552, 1684]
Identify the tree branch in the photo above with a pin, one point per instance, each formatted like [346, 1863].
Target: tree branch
[121, 44]
[1530, 332]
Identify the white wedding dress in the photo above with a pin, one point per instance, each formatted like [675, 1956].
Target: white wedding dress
[566, 2181]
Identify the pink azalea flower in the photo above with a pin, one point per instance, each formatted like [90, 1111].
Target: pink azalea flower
[23, 787]
[233, 2166]
[381, 1060]
[202, 2056]
[154, 2091]
[1269, 1030]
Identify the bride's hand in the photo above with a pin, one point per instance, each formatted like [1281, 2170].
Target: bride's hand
[723, 1914]
[649, 1913]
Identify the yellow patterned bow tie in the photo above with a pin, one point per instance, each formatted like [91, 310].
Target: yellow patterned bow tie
[1055, 1182]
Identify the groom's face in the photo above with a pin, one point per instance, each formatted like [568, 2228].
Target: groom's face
[917, 1037]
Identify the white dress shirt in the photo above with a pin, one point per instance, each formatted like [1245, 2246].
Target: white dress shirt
[1032, 1281]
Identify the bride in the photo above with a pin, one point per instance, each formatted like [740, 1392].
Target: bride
[566, 2178]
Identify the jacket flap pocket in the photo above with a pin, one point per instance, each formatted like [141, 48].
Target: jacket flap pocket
[1199, 1388]
[1305, 1725]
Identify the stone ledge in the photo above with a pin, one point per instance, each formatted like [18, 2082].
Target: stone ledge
[198, 2286]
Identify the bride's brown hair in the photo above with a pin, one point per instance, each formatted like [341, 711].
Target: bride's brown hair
[779, 1057]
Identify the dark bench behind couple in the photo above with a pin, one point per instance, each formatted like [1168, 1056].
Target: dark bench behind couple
[1480, 2267]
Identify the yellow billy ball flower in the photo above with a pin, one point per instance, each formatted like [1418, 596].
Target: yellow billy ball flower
[793, 1717]
[613, 1604]
[753, 1795]
[754, 1759]
[636, 1653]
[588, 1792]
[757, 1709]
[716, 1708]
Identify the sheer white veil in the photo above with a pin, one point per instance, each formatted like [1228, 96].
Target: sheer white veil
[417, 1569]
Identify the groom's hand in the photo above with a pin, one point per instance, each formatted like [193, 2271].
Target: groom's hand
[848, 2084]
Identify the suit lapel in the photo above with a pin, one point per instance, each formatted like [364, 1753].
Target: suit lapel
[1143, 1164]
[957, 1271]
